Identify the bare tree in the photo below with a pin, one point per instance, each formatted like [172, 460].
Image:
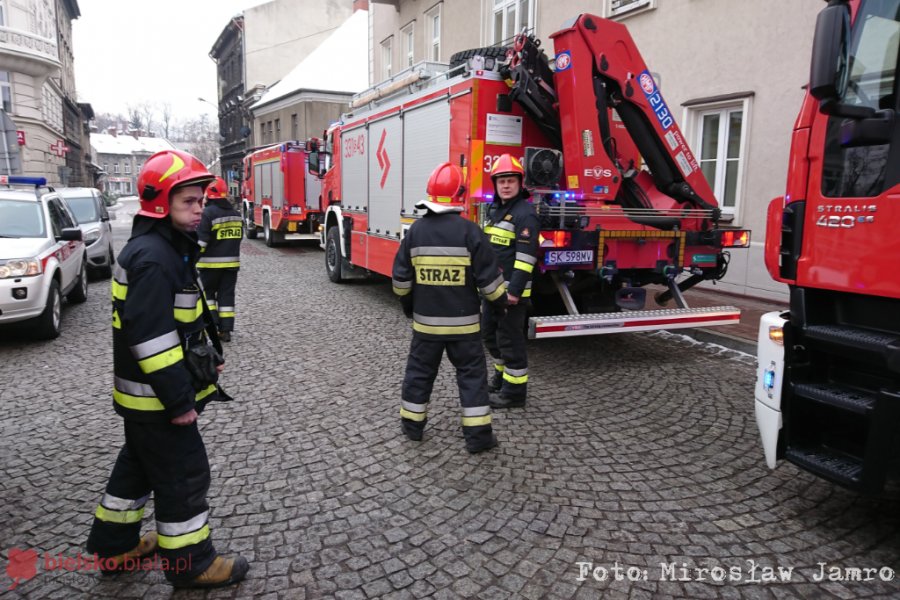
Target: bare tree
[148, 112]
[166, 118]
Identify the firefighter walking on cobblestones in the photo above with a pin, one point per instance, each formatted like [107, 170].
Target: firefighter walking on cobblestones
[512, 227]
[443, 263]
[164, 373]
[220, 234]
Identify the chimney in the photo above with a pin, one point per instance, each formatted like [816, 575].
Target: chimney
[112, 130]
[360, 5]
[135, 133]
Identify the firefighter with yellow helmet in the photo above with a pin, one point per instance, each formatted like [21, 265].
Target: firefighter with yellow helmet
[512, 228]
[165, 372]
[443, 263]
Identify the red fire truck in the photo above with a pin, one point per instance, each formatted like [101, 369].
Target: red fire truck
[279, 195]
[621, 198]
[828, 385]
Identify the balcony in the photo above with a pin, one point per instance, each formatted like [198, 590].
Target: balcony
[25, 52]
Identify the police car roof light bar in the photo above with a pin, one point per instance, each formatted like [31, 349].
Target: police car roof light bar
[16, 179]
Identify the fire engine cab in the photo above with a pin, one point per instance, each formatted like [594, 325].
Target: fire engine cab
[278, 195]
[620, 196]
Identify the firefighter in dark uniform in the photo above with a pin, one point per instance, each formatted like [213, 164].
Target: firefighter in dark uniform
[220, 234]
[512, 228]
[443, 263]
[158, 317]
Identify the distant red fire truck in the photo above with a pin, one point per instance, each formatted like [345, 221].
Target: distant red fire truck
[278, 194]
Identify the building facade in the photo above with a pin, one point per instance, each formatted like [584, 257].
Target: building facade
[38, 91]
[732, 73]
[234, 121]
[120, 157]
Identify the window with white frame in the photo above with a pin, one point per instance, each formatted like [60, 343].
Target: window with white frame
[720, 142]
[510, 17]
[127, 168]
[408, 36]
[619, 8]
[433, 34]
[116, 168]
[6, 91]
[386, 52]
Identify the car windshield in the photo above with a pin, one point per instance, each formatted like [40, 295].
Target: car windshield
[84, 208]
[21, 219]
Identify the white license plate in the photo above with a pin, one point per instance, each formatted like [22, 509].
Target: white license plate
[569, 257]
[296, 210]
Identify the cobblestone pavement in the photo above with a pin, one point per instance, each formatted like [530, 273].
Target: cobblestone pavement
[638, 452]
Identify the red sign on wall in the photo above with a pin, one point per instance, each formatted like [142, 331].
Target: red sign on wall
[20, 135]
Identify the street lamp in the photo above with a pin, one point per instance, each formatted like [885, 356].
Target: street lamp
[208, 102]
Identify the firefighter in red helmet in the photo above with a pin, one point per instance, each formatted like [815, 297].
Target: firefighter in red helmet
[512, 227]
[443, 263]
[220, 234]
[166, 370]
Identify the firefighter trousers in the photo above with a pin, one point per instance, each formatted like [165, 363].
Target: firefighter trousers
[219, 286]
[467, 356]
[505, 341]
[170, 461]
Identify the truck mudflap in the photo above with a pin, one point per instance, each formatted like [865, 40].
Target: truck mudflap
[769, 379]
[638, 320]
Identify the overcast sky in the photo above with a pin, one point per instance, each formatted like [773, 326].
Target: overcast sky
[128, 52]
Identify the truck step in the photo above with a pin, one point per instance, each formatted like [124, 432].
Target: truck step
[851, 339]
[302, 236]
[639, 320]
[836, 395]
[839, 468]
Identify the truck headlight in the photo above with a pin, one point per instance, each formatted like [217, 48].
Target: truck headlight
[20, 267]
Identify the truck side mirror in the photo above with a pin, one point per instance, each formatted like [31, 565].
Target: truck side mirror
[313, 161]
[829, 72]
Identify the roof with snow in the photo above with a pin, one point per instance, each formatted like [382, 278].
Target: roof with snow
[124, 143]
[339, 64]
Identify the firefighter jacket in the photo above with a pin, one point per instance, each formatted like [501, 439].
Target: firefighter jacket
[157, 311]
[442, 264]
[220, 233]
[513, 229]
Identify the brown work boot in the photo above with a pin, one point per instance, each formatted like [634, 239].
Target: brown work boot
[222, 572]
[116, 564]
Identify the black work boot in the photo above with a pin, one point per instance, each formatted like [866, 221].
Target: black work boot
[412, 430]
[225, 336]
[483, 447]
[496, 382]
[500, 401]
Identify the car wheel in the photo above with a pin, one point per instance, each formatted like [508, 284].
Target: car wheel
[333, 258]
[79, 292]
[268, 233]
[106, 272]
[48, 323]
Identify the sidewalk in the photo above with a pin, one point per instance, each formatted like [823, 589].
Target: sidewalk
[740, 337]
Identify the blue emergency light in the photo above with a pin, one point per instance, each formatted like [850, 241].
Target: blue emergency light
[10, 179]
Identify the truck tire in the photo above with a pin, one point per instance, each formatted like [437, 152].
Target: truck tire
[249, 226]
[333, 258]
[268, 232]
[492, 52]
[78, 294]
[47, 325]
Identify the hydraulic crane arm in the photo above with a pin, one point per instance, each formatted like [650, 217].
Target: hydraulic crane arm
[604, 108]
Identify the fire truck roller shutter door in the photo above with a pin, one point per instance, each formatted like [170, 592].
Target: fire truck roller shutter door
[426, 143]
[353, 151]
[386, 175]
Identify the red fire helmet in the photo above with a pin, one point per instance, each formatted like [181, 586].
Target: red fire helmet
[163, 172]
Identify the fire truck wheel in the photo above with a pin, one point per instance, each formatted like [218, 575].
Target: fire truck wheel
[269, 234]
[461, 57]
[333, 258]
[249, 226]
